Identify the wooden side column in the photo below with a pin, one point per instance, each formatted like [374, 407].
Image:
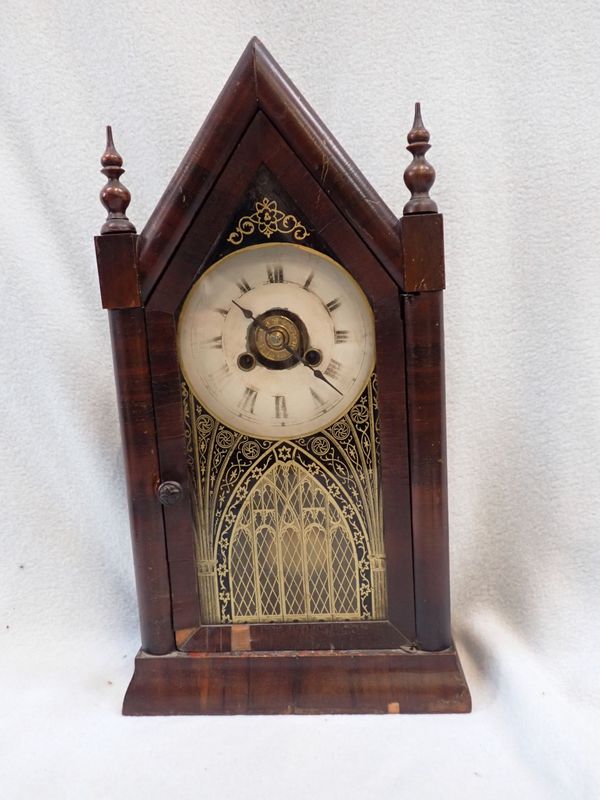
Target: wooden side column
[116, 255]
[427, 441]
[136, 411]
[421, 232]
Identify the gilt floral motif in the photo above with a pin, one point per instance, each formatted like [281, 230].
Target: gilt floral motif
[267, 219]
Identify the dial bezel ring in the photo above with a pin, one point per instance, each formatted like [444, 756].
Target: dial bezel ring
[293, 430]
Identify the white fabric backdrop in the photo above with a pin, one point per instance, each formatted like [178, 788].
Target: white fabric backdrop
[511, 95]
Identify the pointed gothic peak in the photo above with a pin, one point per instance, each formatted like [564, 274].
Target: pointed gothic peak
[259, 86]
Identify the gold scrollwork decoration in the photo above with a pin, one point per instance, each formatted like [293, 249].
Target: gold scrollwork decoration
[267, 219]
[288, 530]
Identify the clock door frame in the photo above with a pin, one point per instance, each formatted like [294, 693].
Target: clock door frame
[263, 147]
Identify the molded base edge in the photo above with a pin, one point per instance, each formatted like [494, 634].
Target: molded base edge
[303, 682]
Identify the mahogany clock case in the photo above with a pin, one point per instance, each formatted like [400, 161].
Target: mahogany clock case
[262, 141]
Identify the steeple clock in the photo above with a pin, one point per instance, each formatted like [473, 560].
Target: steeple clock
[279, 358]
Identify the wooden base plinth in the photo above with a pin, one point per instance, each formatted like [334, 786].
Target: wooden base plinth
[308, 682]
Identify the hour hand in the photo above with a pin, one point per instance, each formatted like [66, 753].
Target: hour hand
[245, 311]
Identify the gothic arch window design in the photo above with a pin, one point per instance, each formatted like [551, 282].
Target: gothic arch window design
[292, 556]
[289, 530]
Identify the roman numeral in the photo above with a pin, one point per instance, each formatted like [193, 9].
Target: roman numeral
[308, 281]
[275, 274]
[243, 286]
[317, 399]
[333, 370]
[333, 304]
[216, 343]
[248, 400]
[341, 336]
[280, 406]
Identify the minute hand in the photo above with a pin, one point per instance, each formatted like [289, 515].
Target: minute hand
[316, 372]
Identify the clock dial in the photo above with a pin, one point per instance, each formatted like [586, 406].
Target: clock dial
[276, 340]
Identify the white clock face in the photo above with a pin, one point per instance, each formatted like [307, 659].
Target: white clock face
[276, 341]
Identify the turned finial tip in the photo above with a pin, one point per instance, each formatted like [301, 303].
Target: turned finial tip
[114, 196]
[418, 132]
[419, 176]
[110, 156]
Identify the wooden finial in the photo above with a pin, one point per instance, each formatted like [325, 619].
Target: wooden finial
[114, 196]
[419, 176]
